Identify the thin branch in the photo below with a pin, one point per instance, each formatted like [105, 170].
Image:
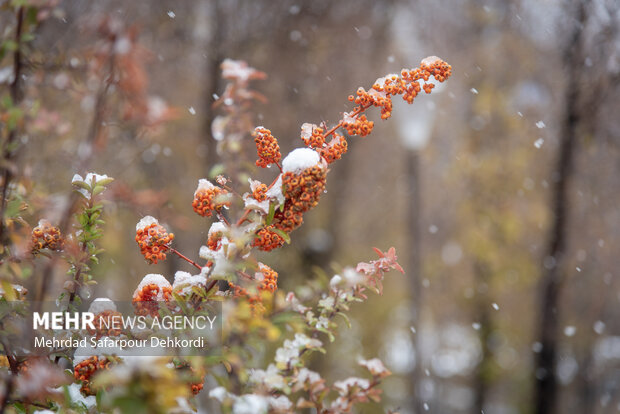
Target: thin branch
[187, 259]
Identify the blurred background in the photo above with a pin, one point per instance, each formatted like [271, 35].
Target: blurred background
[499, 190]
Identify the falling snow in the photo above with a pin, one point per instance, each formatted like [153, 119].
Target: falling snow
[570, 330]
[539, 143]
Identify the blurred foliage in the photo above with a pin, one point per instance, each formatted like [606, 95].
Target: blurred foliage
[485, 172]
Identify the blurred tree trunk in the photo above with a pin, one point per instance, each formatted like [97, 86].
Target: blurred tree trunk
[8, 150]
[214, 59]
[483, 318]
[546, 388]
[414, 268]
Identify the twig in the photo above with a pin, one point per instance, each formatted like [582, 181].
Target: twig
[187, 259]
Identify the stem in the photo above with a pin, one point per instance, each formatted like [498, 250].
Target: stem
[221, 217]
[187, 259]
[244, 216]
[84, 249]
[211, 285]
[356, 111]
[243, 274]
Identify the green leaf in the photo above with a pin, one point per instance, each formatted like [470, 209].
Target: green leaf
[81, 184]
[346, 318]
[27, 37]
[99, 398]
[19, 407]
[272, 213]
[98, 189]
[105, 181]
[284, 235]
[9, 45]
[13, 208]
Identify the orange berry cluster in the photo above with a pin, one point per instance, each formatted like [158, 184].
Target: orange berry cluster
[380, 95]
[270, 279]
[260, 192]
[87, 368]
[255, 301]
[301, 192]
[111, 318]
[316, 139]
[194, 386]
[288, 219]
[267, 147]
[267, 239]
[407, 84]
[358, 125]
[27, 364]
[214, 240]
[145, 300]
[334, 150]
[46, 236]
[154, 242]
[210, 200]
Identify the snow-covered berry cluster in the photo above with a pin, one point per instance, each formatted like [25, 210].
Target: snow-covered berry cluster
[153, 239]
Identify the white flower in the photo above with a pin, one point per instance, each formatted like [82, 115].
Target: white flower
[352, 382]
[295, 303]
[286, 356]
[375, 366]
[335, 281]
[351, 277]
[270, 378]
[280, 403]
[322, 323]
[305, 375]
[89, 180]
[220, 394]
[251, 404]
[327, 303]
[303, 341]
